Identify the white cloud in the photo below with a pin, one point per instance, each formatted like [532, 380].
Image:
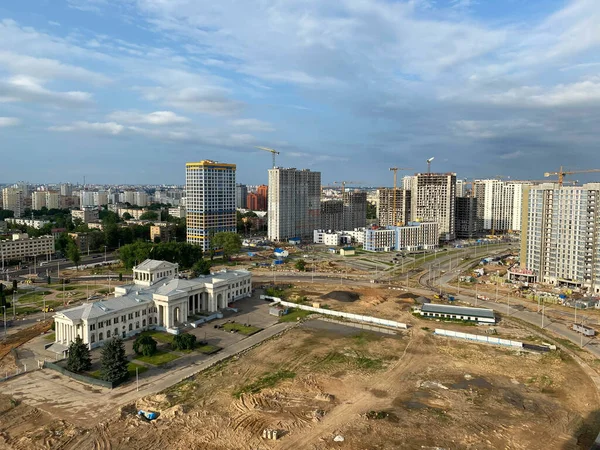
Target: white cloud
[252, 125]
[154, 118]
[45, 68]
[207, 99]
[88, 5]
[313, 157]
[28, 89]
[111, 128]
[9, 122]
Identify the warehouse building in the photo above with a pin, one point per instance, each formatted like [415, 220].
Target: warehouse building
[436, 311]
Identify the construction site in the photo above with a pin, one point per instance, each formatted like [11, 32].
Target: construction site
[324, 384]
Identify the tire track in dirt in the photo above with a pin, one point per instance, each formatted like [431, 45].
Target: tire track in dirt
[388, 381]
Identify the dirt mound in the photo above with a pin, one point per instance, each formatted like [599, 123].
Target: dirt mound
[341, 296]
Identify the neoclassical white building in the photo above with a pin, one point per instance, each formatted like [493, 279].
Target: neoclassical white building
[157, 299]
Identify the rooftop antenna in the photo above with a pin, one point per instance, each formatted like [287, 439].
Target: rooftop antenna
[429, 165]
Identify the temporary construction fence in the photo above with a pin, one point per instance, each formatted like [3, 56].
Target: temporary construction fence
[478, 338]
[329, 312]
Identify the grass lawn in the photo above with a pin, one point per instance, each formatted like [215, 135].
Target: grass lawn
[208, 349]
[131, 369]
[295, 315]
[241, 328]
[158, 359]
[59, 287]
[50, 336]
[34, 297]
[96, 374]
[160, 336]
[27, 310]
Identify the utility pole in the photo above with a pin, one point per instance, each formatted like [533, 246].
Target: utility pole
[44, 307]
[5, 333]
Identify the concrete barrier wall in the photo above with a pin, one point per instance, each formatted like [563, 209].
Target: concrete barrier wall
[329, 312]
[479, 338]
[80, 377]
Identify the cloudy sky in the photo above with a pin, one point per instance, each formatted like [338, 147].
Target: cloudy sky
[127, 91]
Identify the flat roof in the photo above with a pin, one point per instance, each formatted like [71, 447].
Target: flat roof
[460, 310]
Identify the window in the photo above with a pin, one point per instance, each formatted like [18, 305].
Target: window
[100, 325]
[130, 316]
[108, 323]
[137, 314]
[130, 326]
[143, 312]
[123, 318]
[116, 320]
[137, 324]
[107, 334]
[144, 322]
[116, 331]
[100, 336]
[92, 327]
[92, 338]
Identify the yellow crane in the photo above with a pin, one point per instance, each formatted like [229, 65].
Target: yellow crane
[270, 150]
[561, 173]
[395, 170]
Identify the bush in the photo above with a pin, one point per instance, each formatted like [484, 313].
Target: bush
[184, 342]
[145, 345]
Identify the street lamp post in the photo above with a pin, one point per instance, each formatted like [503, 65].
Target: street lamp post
[105, 253]
[5, 334]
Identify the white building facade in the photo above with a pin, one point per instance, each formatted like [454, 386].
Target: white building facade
[294, 203]
[499, 203]
[433, 199]
[413, 236]
[157, 299]
[22, 246]
[561, 234]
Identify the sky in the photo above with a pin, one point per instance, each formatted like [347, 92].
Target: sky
[127, 91]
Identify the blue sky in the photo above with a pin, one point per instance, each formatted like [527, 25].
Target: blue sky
[127, 91]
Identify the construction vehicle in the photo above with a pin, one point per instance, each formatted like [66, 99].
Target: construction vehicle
[48, 309]
[561, 173]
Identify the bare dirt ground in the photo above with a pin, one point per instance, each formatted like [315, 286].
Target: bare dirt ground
[13, 341]
[410, 391]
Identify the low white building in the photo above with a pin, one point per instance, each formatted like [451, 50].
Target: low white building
[329, 237]
[413, 236]
[158, 299]
[33, 223]
[22, 246]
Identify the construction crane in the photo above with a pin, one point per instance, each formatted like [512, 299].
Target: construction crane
[270, 150]
[395, 170]
[343, 183]
[561, 173]
[429, 164]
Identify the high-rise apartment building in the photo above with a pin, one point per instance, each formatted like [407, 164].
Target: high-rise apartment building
[12, 200]
[467, 223]
[294, 206]
[52, 199]
[332, 215]
[66, 189]
[407, 182]
[241, 192]
[560, 238]
[433, 199]
[461, 188]
[385, 206]
[499, 203]
[355, 210]
[210, 189]
[257, 201]
[38, 200]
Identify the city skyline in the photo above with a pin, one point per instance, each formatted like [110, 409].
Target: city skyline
[123, 90]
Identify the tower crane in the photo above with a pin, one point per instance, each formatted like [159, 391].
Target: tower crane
[395, 170]
[270, 150]
[561, 173]
[343, 183]
[429, 165]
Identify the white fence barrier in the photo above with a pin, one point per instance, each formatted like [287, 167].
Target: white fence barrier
[329, 312]
[479, 338]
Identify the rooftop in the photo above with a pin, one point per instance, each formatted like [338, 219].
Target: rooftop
[460, 310]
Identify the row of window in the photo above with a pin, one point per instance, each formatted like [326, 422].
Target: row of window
[116, 331]
[124, 318]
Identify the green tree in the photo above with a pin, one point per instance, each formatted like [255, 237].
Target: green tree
[79, 356]
[127, 216]
[300, 265]
[149, 215]
[184, 342]
[114, 362]
[228, 242]
[145, 345]
[201, 267]
[371, 211]
[73, 253]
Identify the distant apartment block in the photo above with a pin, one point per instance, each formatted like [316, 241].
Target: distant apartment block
[433, 199]
[294, 206]
[66, 189]
[178, 212]
[86, 215]
[33, 223]
[210, 189]
[413, 236]
[390, 201]
[241, 194]
[499, 203]
[257, 201]
[22, 246]
[162, 232]
[12, 200]
[561, 234]
[82, 241]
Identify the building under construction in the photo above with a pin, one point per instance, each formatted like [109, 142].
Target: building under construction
[467, 223]
[390, 211]
[346, 214]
